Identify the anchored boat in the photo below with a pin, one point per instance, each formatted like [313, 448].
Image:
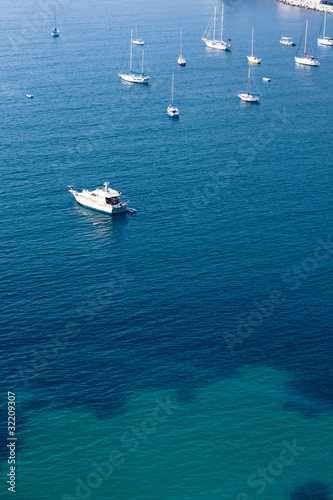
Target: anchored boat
[103, 199]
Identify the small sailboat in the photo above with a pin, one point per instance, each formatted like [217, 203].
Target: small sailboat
[287, 40]
[30, 96]
[306, 59]
[249, 96]
[213, 43]
[181, 60]
[55, 32]
[325, 40]
[252, 59]
[134, 76]
[172, 110]
[266, 79]
[137, 40]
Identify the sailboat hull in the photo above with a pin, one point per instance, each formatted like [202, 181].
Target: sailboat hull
[217, 44]
[249, 98]
[133, 78]
[181, 61]
[253, 60]
[325, 41]
[307, 61]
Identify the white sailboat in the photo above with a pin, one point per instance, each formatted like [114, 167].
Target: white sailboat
[137, 40]
[134, 76]
[181, 60]
[252, 59]
[213, 43]
[325, 40]
[249, 96]
[306, 59]
[55, 32]
[172, 110]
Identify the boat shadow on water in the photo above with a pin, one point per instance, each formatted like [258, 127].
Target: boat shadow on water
[107, 223]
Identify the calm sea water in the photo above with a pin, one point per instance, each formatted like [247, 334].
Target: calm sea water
[185, 351]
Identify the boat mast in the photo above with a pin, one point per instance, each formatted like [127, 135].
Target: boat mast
[248, 81]
[180, 45]
[143, 54]
[131, 50]
[173, 81]
[306, 35]
[252, 40]
[214, 22]
[324, 25]
[222, 23]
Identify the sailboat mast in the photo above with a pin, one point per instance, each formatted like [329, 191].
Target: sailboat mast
[248, 81]
[252, 40]
[173, 82]
[306, 35]
[324, 25]
[214, 22]
[131, 50]
[222, 23]
[180, 45]
[143, 54]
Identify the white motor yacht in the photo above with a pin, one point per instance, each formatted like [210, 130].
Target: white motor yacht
[102, 199]
[287, 40]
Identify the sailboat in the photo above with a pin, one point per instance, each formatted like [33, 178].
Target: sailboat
[55, 32]
[252, 59]
[137, 40]
[306, 59]
[325, 40]
[134, 76]
[212, 43]
[172, 110]
[249, 97]
[181, 60]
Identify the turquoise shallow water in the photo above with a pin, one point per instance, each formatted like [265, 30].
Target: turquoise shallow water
[183, 351]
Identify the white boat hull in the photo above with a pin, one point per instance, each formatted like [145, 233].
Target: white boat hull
[249, 97]
[307, 61]
[288, 44]
[325, 41]
[134, 78]
[98, 205]
[138, 42]
[181, 61]
[253, 60]
[55, 33]
[217, 44]
[173, 112]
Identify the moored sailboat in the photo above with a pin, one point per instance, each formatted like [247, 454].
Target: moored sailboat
[134, 76]
[172, 110]
[213, 43]
[181, 60]
[249, 96]
[252, 59]
[325, 40]
[137, 40]
[55, 32]
[306, 60]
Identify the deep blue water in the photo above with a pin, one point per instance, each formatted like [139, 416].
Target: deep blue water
[234, 214]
